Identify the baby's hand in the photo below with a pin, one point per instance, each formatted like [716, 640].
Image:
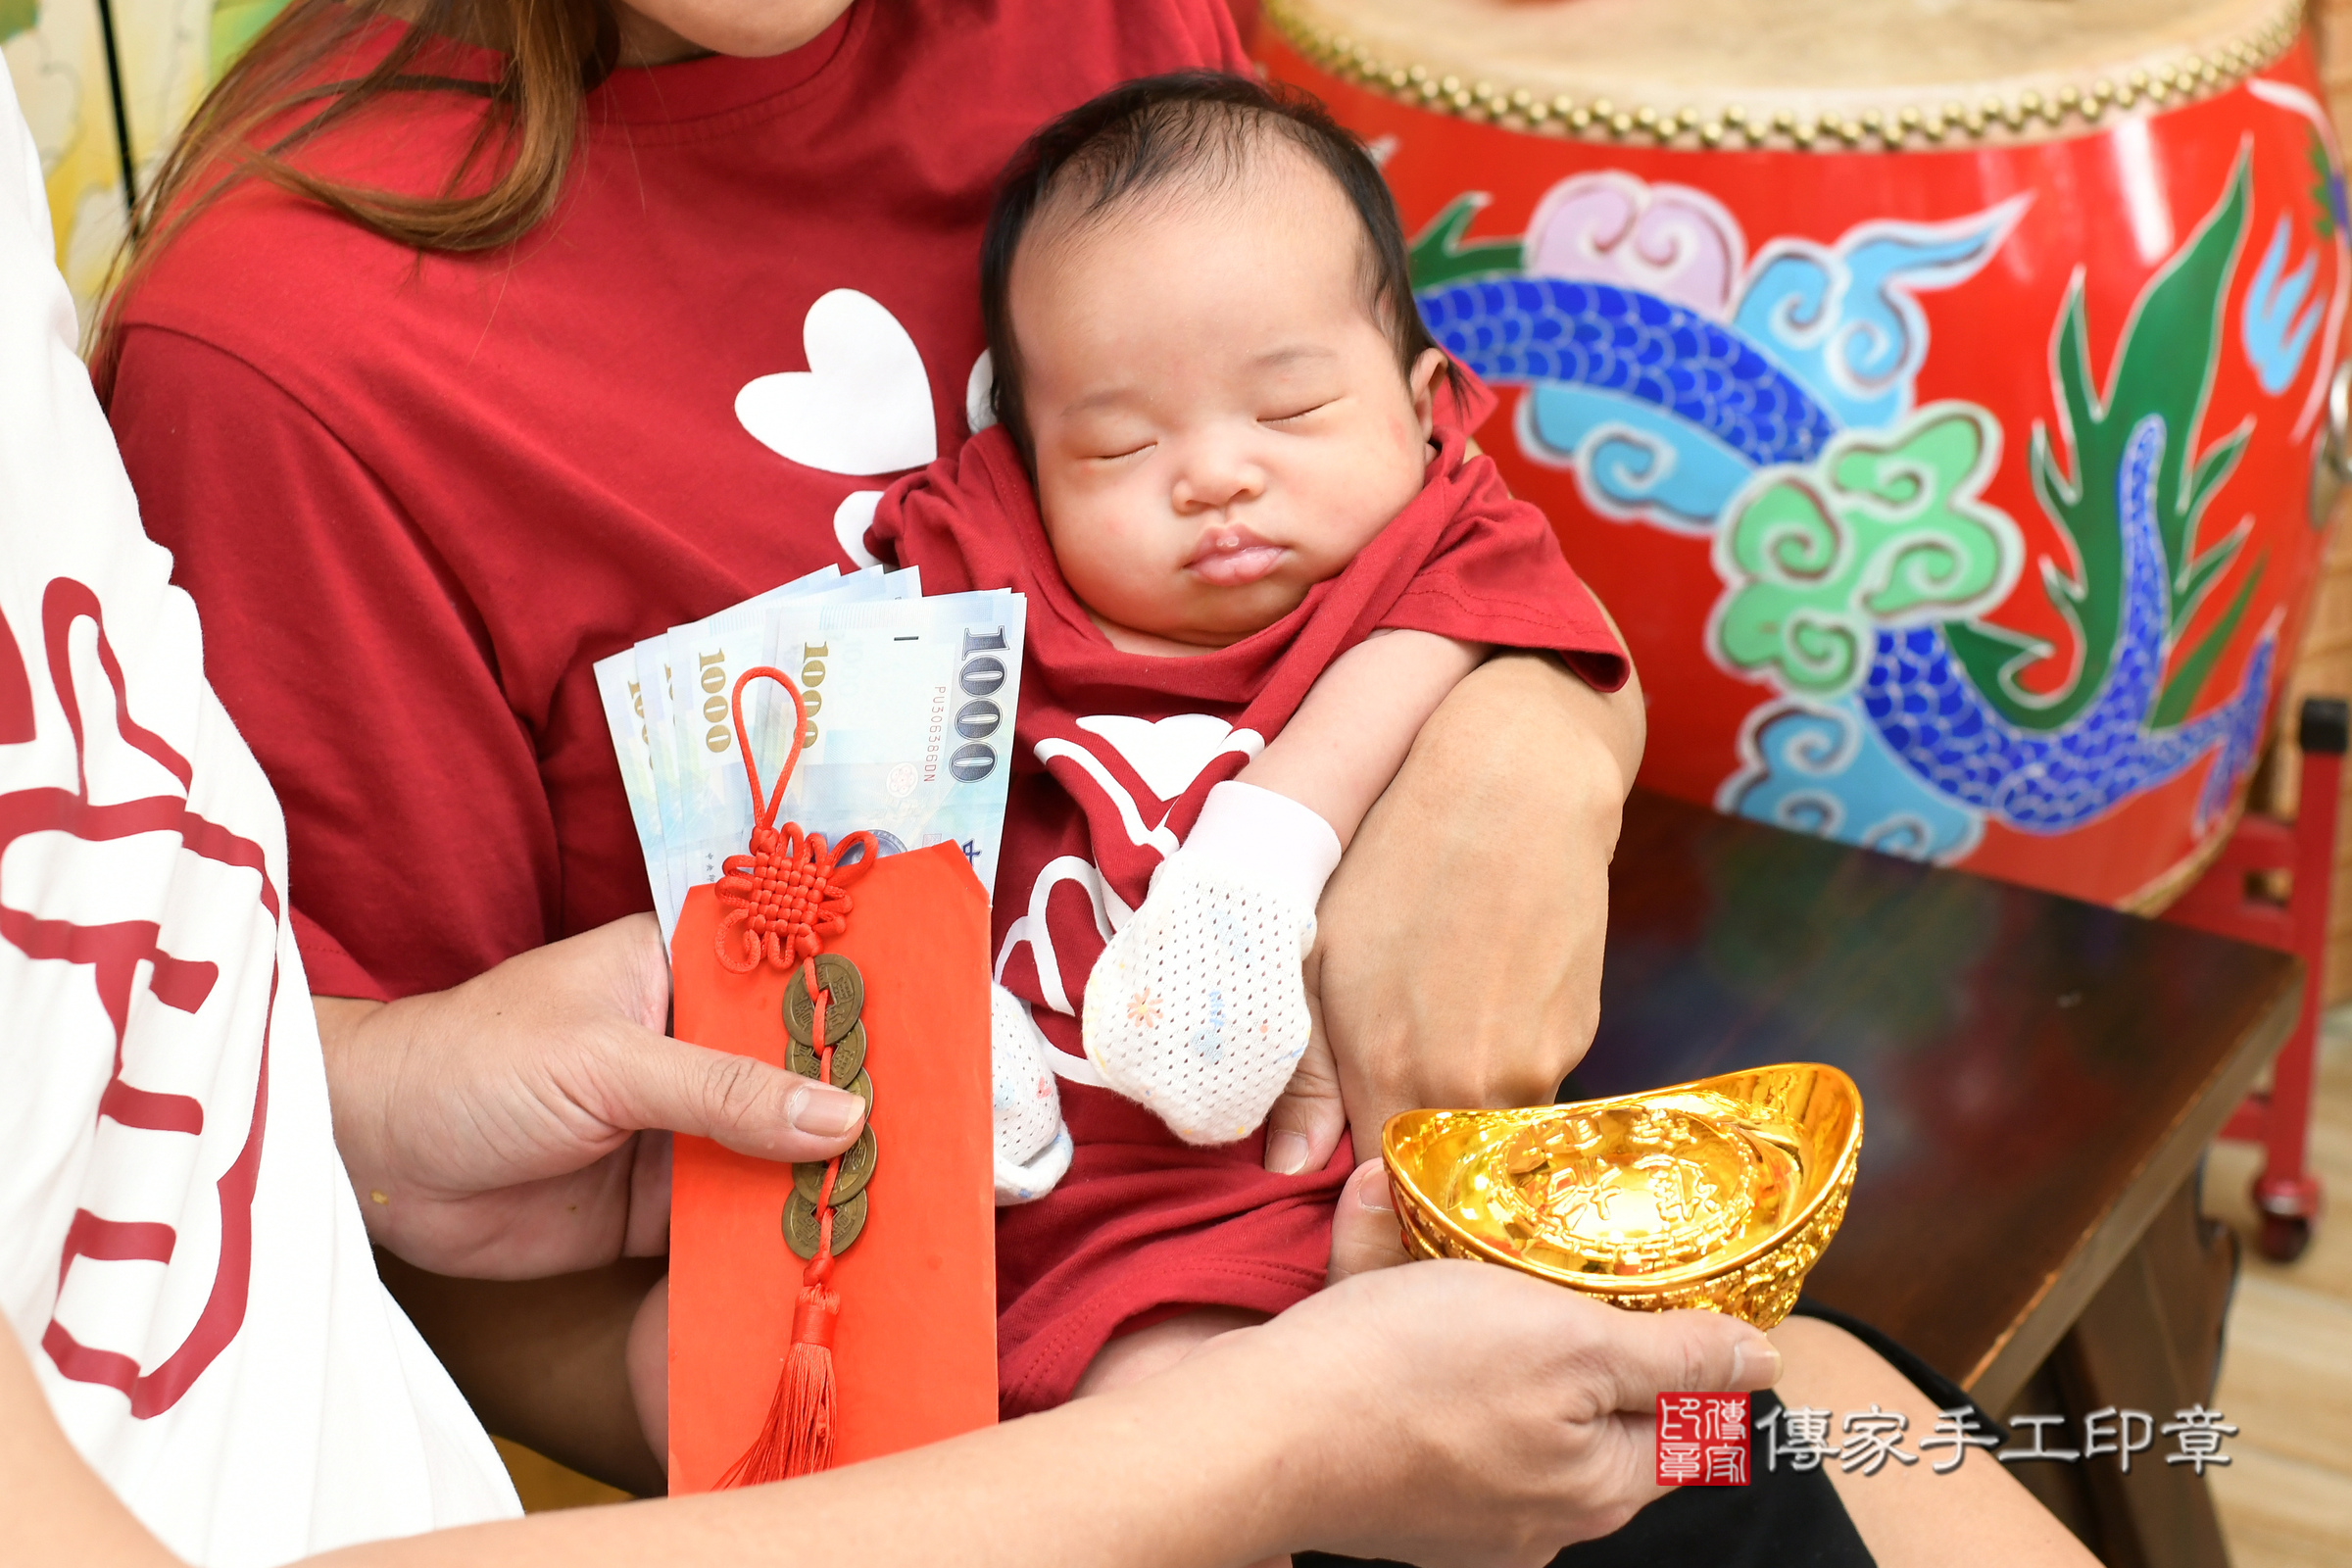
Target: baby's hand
[1198, 1008]
[1033, 1147]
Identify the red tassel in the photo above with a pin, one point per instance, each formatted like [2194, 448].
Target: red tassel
[797, 1437]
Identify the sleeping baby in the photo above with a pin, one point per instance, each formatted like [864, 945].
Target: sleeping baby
[1229, 470]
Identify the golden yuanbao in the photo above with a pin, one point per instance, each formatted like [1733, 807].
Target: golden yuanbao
[1719, 1194]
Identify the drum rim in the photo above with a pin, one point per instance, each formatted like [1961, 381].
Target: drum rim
[2031, 109]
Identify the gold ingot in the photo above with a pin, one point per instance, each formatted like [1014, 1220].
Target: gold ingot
[1720, 1194]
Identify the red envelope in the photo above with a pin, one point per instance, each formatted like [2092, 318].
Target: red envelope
[915, 1345]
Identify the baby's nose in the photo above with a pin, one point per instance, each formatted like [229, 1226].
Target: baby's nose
[1211, 482]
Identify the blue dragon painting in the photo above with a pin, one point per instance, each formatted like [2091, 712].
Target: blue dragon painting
[1767, 404]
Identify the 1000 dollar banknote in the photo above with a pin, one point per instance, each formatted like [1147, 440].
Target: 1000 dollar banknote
[634, 689]
[909, 729]
[703, 787]
[909, 732]
[623, 696]
[699, 662]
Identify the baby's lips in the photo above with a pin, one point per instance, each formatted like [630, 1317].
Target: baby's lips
[1238, 568]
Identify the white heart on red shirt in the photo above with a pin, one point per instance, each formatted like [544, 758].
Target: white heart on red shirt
[1169, 754]
[851, 519]
[864, 405]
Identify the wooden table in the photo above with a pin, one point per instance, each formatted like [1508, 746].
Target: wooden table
[2038, 1077]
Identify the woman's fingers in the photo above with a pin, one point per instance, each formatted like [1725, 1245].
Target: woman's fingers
[1501, 1416]
[623, 961]
[515, 1120]
[1309, 1119]
[647, 1234]
[1636, 1356]
[1363, 1226]
[745, 1105]
[653, 1082]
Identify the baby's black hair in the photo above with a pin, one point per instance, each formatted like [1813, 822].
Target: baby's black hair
[1147, 133]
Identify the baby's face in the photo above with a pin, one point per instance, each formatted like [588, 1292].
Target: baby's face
[1220, 423]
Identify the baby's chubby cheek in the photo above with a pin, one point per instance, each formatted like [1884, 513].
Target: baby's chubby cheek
[1346, 514]
[1132, 580]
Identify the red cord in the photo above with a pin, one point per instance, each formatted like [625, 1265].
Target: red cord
[783, 899]
[789, 894]
[797, 1439]
[820, 1267]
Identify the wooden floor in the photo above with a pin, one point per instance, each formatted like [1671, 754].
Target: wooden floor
[2286, 1369]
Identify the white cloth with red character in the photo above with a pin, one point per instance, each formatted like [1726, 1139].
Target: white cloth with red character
[182, 1257]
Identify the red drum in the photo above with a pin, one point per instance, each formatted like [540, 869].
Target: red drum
[1937, 396]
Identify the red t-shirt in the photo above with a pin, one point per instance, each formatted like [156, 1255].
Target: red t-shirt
[416, 498]
[1114, 754]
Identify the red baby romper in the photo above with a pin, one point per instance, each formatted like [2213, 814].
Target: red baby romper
[1114, 754]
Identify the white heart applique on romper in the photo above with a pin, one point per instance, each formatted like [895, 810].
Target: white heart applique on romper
[1168, 754]
[864, 405]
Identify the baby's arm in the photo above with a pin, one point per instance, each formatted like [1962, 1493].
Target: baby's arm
[1198, 1008]
[1349, 737]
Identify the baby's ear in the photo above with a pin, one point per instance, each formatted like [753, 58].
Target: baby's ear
[1423, 384]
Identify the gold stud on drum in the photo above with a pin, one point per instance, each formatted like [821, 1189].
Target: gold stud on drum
[801, 1227]
[1830, 61]
[837, 976]
[849, 1056]
[856, 1169]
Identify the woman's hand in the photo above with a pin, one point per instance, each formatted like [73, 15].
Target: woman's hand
[1571, 1451]
[515, 1126]
[1458, 960]
[1457, 1413]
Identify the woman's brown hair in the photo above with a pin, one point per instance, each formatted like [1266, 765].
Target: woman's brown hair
[286, 91]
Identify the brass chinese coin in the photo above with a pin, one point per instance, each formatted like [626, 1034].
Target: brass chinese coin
[837, 976]
[849, 1056]
[862, 1086]
[801, 1228]
[856, 1169]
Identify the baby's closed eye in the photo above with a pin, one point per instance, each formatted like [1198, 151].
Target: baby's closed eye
[1298, 412]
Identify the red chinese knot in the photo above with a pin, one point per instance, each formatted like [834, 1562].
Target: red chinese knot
[791, 891]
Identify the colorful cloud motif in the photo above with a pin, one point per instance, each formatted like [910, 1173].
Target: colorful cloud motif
[1884, 529]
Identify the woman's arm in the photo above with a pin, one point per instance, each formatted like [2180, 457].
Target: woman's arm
[1444, 1412]
[1458, 961]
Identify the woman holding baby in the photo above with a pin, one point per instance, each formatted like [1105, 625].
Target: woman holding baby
[434, 367]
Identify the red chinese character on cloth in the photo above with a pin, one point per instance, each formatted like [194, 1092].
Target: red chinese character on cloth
[127, 962]
[1702, 1440]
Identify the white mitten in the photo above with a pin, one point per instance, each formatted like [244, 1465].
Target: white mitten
[1033, 1147]
[1198, 1008]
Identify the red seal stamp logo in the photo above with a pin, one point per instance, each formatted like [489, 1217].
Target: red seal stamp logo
[1702, 1440]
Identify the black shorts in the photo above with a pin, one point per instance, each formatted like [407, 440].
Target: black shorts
[1784, 1518]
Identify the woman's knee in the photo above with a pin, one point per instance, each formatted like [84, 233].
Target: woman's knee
[1911, 1513]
